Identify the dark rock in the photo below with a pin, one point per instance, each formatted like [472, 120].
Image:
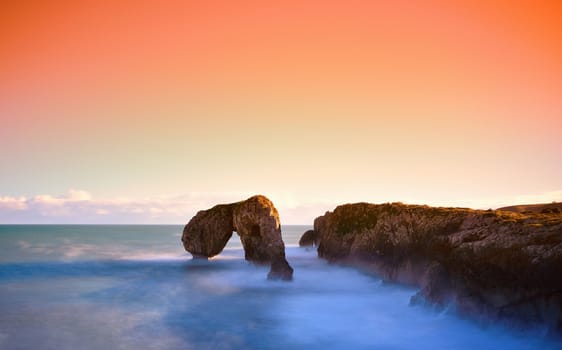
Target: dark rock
[545, 208]
[499, 264]
[308, 239]
[550, 211]
[257, 223]
[280, 270]
[207, 233]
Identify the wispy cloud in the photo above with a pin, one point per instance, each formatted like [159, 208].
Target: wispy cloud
[12, 203]
[78, 206]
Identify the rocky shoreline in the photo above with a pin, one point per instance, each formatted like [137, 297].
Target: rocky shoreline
[490, 264]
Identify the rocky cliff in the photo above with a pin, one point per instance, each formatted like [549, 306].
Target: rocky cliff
[257, 223]
[545, 208]
[496, 264]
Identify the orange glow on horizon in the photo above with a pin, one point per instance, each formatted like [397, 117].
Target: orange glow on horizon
[436, 100]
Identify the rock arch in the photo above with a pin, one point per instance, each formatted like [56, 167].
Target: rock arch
[257, 223]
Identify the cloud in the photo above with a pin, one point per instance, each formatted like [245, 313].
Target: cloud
[80, 207]
[12, 203]
[102, 212]
[77, 195]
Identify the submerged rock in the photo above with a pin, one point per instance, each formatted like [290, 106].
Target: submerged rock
[257, 223]
[496, 264]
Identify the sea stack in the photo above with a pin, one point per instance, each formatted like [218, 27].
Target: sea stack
[487, 263]
[308, 239]
[257, 223]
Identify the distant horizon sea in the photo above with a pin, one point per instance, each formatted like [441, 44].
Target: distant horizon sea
[134, 287]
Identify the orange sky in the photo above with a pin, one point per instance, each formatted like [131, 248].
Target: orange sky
[441, 102]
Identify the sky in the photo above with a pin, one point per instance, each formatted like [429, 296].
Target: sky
[148, 111]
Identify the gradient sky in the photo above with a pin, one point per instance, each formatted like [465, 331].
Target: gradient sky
[145, 111]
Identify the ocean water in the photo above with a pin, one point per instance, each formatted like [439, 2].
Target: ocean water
[133, 287]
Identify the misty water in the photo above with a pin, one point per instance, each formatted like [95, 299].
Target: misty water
[133, 287]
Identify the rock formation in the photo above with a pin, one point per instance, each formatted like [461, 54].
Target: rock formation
[257, 223]
[545, 208]
[496, 264]
[308, 239]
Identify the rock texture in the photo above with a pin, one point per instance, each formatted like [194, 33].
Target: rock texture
[257, 223]
[207, 233]
[546, 208]
[308, 239]
[493, 264]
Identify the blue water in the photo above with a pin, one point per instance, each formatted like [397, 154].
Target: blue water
[133, 287]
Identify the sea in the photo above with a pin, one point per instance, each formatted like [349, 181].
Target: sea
[134, 287]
